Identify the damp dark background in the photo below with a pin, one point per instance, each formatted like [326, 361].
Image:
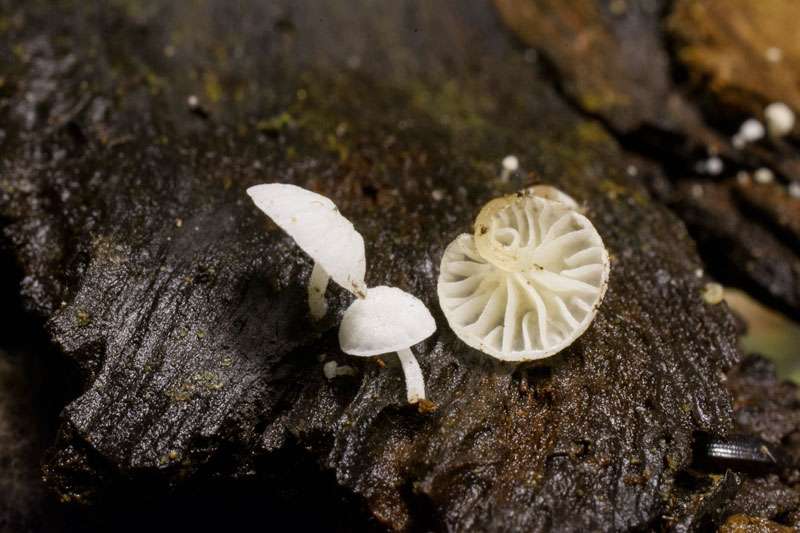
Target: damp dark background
[130, 256]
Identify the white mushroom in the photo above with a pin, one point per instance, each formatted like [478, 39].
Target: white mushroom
[773, 54]
[751, 130]
[528, 282]
[779, 118]
[510, 164]
[389, 320]
[317, 227]
[713, 293]
[714, 165]
[332, 369]
[763, 176]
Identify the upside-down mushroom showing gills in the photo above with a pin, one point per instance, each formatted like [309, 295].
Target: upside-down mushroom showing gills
[528, 282]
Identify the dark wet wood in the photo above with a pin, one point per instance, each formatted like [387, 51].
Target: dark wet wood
[186, 310]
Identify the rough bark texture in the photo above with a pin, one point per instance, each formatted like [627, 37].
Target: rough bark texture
[185, 307]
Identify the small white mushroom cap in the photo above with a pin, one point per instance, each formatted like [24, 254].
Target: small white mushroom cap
[779, 118]
[714, 165]
[751, 130]
[332, 369]
[316, 225]
[773, 54]
[763, 176]
[510, 163]
[528, 282]
[387, 320]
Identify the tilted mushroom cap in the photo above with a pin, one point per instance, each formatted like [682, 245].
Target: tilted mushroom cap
[387, 320]
[316, 225]
[528, 282]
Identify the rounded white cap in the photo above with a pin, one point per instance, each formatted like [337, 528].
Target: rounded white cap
[387, 320]
[763, 176]
[714, 165]
[528, 282]
[316, 225]
[780, 119]
[751, 130]
[510, 163]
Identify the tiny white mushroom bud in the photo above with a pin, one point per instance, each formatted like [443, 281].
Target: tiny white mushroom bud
[780, 119]
[329, 369]
[389, 320]
[773, 54]
[794, 190]
[510, 164]
[714, 165]
[528, 282]
[751, 130]
[713, 293]
[763, 176]
[317, 227]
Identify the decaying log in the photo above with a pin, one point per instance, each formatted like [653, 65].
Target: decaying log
[124, 166]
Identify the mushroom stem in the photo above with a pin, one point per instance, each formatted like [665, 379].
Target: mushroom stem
[316, 291]
[415, 384]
